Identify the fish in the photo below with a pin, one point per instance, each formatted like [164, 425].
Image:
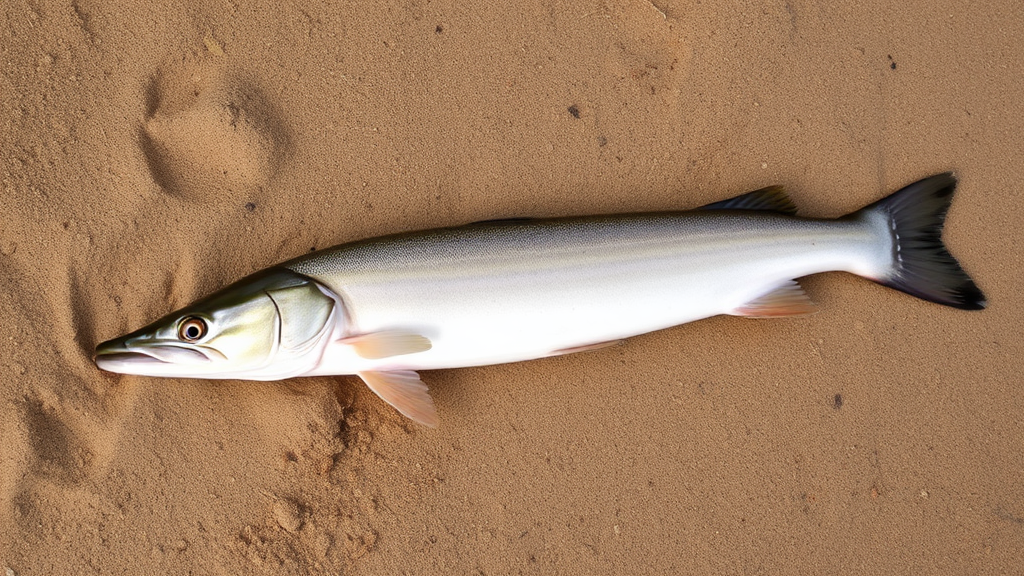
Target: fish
[512, 290]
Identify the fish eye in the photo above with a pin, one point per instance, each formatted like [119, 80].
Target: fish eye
[192, 329]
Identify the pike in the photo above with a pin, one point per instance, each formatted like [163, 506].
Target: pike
[512, 290]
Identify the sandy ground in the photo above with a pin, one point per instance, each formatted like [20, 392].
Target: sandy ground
[151, 154]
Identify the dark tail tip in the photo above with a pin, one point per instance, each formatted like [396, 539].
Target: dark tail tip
[922, 266]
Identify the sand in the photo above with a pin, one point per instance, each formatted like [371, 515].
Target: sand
[151, 154]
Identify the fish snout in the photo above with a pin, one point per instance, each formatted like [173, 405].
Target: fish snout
[147, 358]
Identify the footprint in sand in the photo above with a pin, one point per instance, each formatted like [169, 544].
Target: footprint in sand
[58, 452]
[207, 130]
[67, 443]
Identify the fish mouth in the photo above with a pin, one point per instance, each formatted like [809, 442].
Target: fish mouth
[111, 361]
[124, 361]
[149, 359]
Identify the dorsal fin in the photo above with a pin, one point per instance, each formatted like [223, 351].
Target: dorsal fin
[772, 198]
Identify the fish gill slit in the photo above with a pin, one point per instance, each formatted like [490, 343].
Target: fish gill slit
[280, 322]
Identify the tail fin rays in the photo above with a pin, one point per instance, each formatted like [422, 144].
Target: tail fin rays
[922, 266]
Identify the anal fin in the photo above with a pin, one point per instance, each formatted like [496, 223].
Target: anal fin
[786, 300]
[587, 347]
[404, 391]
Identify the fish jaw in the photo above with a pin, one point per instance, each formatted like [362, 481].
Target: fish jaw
[127, 362]
[155, 359]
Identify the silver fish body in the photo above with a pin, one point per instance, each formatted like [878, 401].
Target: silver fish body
[507, 291]
[504, 292]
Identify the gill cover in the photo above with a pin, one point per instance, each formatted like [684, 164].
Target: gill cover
[271, 325]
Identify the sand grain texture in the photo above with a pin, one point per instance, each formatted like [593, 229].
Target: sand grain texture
[150, 154]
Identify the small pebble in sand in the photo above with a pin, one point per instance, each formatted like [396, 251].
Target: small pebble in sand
[288, 515]
[213, 45]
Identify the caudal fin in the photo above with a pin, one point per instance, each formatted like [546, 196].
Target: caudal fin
[921, 264]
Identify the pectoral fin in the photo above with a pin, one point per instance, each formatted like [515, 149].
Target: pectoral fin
[386, 343]
[786, 300]
[404, 390]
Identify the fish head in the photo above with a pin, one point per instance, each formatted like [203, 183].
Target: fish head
[272, 325]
